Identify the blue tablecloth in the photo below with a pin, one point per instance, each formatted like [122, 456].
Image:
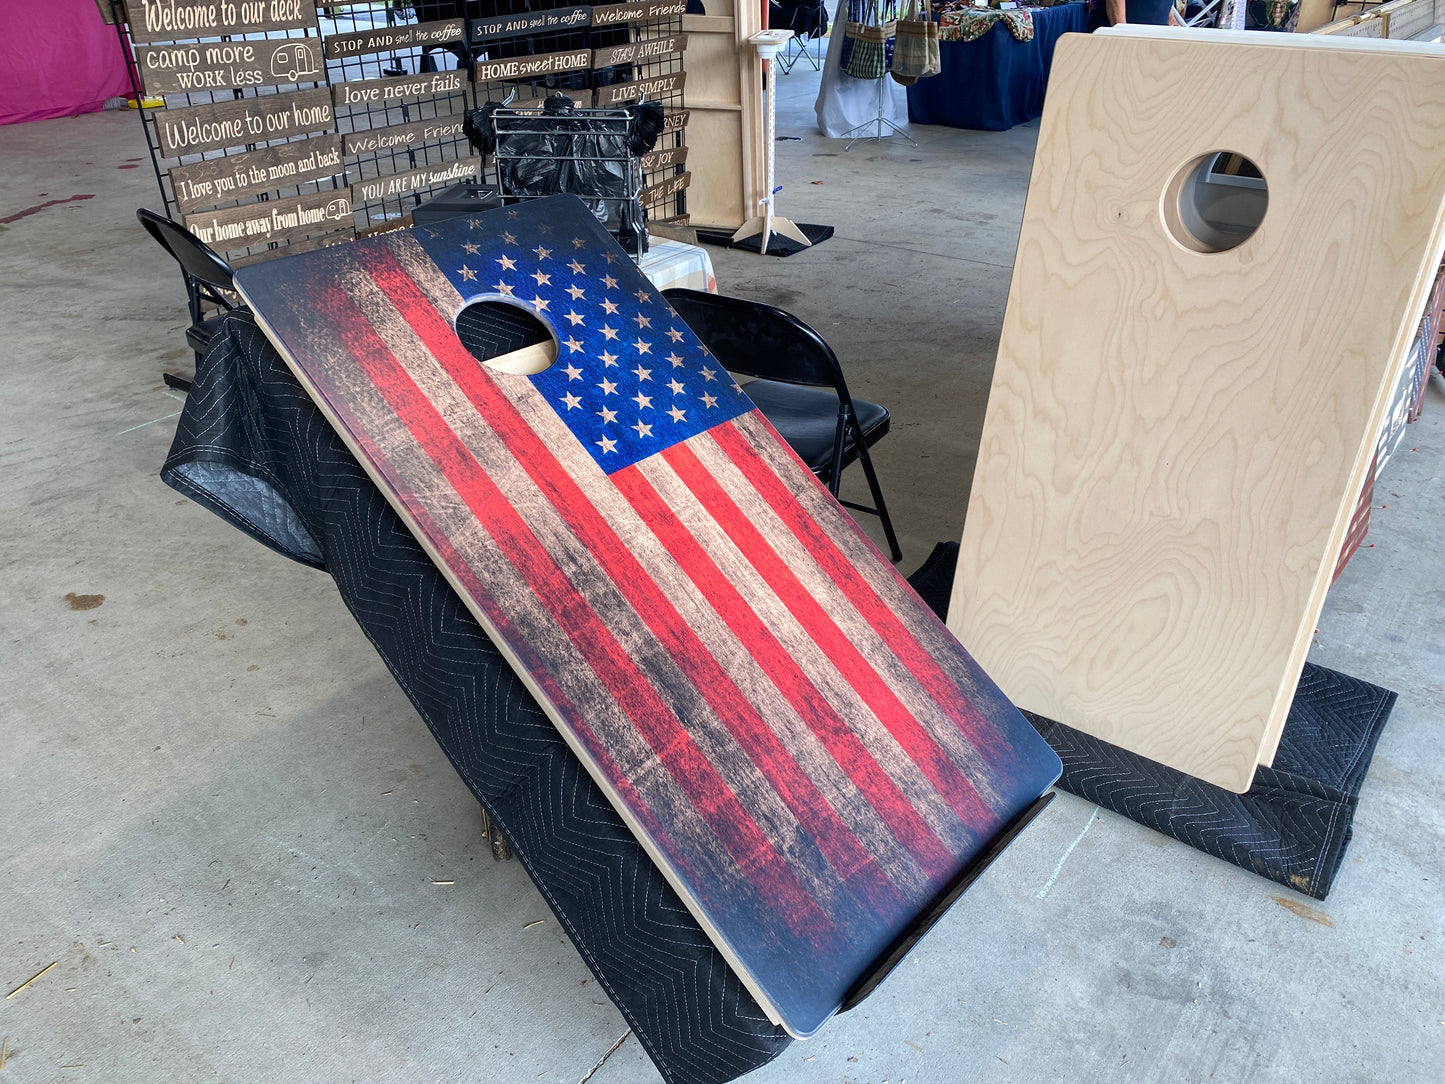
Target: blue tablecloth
[994, 82]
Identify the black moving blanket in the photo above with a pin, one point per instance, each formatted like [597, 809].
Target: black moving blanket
[253, 448]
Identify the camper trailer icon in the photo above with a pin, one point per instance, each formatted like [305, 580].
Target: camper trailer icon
[338, 209]
[292, 62]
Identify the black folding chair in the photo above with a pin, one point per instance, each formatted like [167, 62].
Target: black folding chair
[808, 20]
[792, 366]
[208, 282]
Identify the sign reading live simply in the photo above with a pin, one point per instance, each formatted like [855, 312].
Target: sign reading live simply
[386, 91]
[531, 22]
[393, 37]
[246, 120]
[402, 136]
[670, 187]
[639, 52]
[273, 220]
[169, 20]
[223, 65]
[655, 160]
[531, 67]
[391, 185]
[204, 184]
[613, 14]
[640, 90]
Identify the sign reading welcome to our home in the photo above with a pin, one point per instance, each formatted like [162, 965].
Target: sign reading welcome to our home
[175, 20]
[245, 120]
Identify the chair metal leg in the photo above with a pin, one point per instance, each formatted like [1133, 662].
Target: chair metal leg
[880, 506]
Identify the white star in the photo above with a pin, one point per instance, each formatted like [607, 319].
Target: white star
[643, 374]
[641, 295]
[677, 388]
[643, 429]
[643, 347]
[507, 237]
[467, 273]
[539, 303]
[542, 280]
[678, 415]
[608, 387]
[472, 250]
[572, 401]
[572, 344]
[708, 374]
[542, 253]
[607, 415]
[503, 288]
[576, 267]
[609, 282]
[642, 401]
[606, 444]
[674, 334]
[709, 400]
[676, 361]
[609, 332]
[608, 358]
[577, 292]
[609, 307]
[473, 223]
[577, 242]
[573, 373]
[642, 321]
[575, 318]
[508, 264]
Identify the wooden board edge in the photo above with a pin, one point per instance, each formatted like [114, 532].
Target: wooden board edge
[634, 826]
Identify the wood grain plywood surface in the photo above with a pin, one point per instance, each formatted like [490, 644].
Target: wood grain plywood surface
[1175, 438]
[799, 744]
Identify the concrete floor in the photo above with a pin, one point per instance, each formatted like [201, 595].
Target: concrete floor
[225, 823]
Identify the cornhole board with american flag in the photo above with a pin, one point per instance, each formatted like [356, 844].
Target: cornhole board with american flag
[801, 746]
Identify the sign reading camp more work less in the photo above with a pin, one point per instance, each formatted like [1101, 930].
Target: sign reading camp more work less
[175, 20]
[183, 67]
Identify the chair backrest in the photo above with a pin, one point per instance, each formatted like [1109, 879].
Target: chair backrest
[754, 339]
[195, 258]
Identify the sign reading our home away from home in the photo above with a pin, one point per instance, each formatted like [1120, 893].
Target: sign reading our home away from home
[402, 136]
[225, 65]
[387, 91]
[218, 180]
[245, 120]
[272, 220]
[531, 67]
[531, 22]
[392, 185]
[172, 20]
[406, 36]
[639, 52]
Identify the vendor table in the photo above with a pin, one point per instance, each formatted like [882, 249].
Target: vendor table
[995, 81]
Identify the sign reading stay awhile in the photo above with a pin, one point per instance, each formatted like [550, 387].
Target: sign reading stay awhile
[391, 185]
[224, 65]
[531, 22]
[172, 20]
[393, 37]
[531, 67]
[613, 14]
[245, 120]
[639, 52]
[385, 91]
[272, 220]
[402, 136]
[204, 184]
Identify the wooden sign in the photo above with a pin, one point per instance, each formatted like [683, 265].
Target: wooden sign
[219, 180]
[389, 91]
[615, 14]
[639, 52]
[655, 160]
[1185, 402]
[272, 220]
[675, 120]
[640, 89]
[533, 22]
[529, 97]
[791, 734]
[173, 20]
[309, 244]
[404, 36]
[670, 187]
[392, 185]
[402, 136]
[225, 65]
[245, 120]
[533, 67]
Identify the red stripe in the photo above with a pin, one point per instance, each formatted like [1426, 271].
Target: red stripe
[902, 819]
[955, 698]
[707, 678]
[648, 713]
[919, 745]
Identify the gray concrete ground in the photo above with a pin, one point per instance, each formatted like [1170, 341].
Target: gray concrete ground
[226, 826]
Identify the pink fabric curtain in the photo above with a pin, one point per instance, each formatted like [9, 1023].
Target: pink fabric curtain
[57, 58]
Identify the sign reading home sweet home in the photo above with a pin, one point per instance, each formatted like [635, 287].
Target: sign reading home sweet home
[219, 180]
[245, 120]
[225, 65]
[532, 67]
[175, 20]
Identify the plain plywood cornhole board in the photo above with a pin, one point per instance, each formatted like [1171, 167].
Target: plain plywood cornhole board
[801, 746]
[1175, 439]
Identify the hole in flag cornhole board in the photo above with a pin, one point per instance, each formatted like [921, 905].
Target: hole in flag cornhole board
[1190, 383]
[801, 746]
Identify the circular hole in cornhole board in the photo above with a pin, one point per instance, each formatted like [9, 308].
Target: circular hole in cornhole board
[1215, 202]
[506, 337]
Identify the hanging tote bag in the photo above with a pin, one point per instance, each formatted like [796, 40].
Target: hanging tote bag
[872, 43]
[853, 18]
[915, 50]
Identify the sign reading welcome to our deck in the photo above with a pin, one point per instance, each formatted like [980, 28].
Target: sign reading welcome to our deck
[176, 20]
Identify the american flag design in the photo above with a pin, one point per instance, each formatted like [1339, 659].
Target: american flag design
[801, 746]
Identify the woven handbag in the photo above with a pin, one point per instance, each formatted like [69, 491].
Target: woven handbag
[915, 51]
[872, 45]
